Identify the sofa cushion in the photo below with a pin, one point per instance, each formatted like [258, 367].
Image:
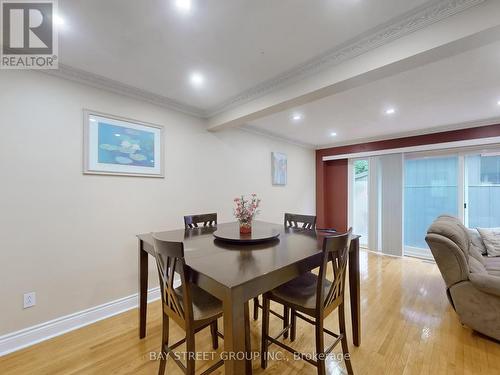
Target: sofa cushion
[493, 266]
[491, 239]
[473, 253]
[476, 266]
[476, 242]
[486, 283]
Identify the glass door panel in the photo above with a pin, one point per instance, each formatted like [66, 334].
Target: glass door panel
[430, 190]
[482, 191]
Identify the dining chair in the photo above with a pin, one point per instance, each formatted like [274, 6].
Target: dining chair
[313, 305]
[208, 220]
[186, 304]
[298, 221]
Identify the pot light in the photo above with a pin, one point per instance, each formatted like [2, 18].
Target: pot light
[333, 134]
[197, 79]
[498, 103]
[390, 111]
[297, 117]
[59, 21]
[183, 5]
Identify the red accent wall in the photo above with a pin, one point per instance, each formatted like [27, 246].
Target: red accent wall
[336, 194]
[331, 176]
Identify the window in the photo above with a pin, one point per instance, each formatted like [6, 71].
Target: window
[482, 191]
[430, 190]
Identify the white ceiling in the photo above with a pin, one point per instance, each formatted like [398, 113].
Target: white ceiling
[460, 89]
[236, 44]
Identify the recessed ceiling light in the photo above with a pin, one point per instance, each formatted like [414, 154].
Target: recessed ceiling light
[297, 117]
[58, 20]
[183, 5]
[390, 111]
[333, 134]
[197, 79]
[498, 102]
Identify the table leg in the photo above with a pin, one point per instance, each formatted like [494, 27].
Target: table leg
[248, 342]
[234, 335]
[143, 290]
[354, 291]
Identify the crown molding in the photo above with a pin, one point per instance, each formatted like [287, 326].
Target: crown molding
[419, 18]
[436, 129]
[277, 137]
[100, 82]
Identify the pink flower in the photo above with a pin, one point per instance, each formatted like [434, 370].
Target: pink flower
[246, 209]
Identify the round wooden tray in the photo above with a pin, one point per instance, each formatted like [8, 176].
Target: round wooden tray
[260, 233]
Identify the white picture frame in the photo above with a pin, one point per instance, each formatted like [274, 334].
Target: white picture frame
[114, 145]
[279, 166]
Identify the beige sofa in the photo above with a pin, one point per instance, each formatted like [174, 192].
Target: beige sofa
[472, 280]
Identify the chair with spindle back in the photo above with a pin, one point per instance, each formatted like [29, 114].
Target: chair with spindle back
[189, 306]
[193, 221]
[300, 221]
[316, 302]
[296, 221]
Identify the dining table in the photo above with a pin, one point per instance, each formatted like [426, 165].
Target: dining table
[236, 272]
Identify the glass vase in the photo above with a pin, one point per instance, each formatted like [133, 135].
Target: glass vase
[245, 227]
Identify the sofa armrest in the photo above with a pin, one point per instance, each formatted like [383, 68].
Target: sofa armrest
[486, 283]
[449, 258]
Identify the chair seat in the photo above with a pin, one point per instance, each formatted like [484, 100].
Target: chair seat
[299, 293]
[205, 306]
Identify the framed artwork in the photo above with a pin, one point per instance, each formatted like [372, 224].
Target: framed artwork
[119, 146]
[279, 165]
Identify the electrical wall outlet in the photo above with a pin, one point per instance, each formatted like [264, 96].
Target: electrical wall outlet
[29, 300]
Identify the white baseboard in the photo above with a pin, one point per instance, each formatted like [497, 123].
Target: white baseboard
[416, 252]
[32, 335]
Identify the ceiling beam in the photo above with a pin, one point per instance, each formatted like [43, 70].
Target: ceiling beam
[470, 29]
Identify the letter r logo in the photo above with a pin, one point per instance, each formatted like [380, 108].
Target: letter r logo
[27, 28]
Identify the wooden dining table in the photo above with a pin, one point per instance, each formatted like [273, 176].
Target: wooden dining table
[236, 273]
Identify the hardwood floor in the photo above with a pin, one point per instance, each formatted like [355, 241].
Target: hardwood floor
[408, 328]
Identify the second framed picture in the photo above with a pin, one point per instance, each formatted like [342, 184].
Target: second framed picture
[119, 146]
[279, 168]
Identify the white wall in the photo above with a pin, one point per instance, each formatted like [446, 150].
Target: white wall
[71, 237]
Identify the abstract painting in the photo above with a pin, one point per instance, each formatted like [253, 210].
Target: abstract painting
[279, 166]
[115, 145]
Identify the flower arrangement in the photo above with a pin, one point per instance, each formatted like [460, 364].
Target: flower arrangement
[245, 211]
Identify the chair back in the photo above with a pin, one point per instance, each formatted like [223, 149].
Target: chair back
[208, 220]
[170, 262]
[300, 221]
[336, 251]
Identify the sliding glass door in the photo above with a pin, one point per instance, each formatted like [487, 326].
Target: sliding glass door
[465, 185]
[430, 189]
[462, 183]
[482, 190]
